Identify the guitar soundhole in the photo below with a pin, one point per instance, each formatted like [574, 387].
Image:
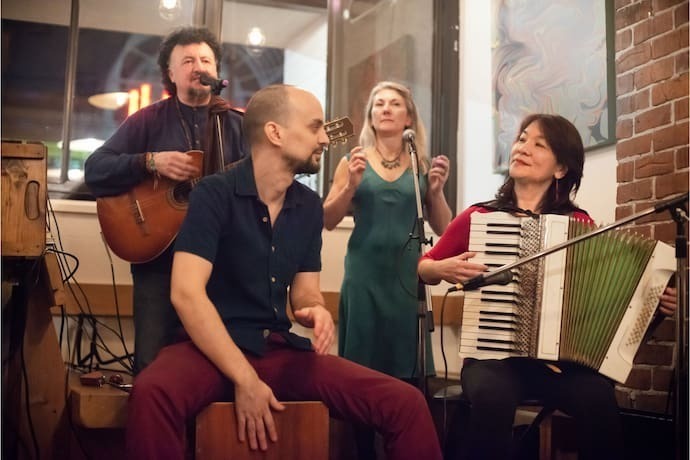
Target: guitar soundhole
[180, 193]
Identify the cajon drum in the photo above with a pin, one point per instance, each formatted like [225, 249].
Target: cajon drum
[303, 430]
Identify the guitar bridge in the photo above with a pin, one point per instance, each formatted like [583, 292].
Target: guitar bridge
[138, 215]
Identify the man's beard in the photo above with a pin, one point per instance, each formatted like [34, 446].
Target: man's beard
[198, 93]
[308, 166]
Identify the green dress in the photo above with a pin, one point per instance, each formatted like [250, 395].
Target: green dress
[377, 324]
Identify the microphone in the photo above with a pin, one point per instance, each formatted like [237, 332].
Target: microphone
[409, 135]
[503, 277]
[216, 84]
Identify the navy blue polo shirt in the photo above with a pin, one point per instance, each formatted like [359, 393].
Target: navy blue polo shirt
[253, 264]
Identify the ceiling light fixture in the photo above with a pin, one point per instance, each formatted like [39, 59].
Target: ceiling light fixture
[256, 37]
[169, 9]
[109, 101]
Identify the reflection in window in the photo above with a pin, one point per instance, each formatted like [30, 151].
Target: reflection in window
[116, 72]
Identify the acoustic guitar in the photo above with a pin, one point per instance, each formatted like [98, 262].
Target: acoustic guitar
[140, 224]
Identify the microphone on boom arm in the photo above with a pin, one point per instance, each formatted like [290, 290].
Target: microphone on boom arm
[216, 84]
[500, 277]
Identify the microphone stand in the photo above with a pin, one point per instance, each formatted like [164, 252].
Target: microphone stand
[679, 214]
[425, 321]
[678, 208]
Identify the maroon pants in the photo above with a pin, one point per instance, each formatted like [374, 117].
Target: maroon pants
[180, 382]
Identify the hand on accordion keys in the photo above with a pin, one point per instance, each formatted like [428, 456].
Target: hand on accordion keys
[499, 277]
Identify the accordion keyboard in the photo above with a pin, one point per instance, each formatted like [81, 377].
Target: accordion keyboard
[490, 314]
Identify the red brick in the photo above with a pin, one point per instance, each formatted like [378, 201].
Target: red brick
[660, 5]
[669, 43]
[665, 331]
[653, 26]
[682, 62]
[680, 109]
[659, 116]
[662, 379]
[670, 89]
[681, 14]
[654, 72]
[623, 39]
[626, 83]
[623, 211]
[632, 14]
[649, 353]
[645, 222]
[640, 378]
[651, 402]
[671, 136]
[635, 146]
[640, 206]
[624, 129]
[654, 165]
[671, 184]
[624, 105]
[625, 171]
[682, 158]
[641, 100]
[665, 232]
[634, 57]
[621, 3]
[638, 190]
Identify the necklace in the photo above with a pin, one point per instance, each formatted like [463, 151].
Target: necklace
[389, 164]
[185, 128]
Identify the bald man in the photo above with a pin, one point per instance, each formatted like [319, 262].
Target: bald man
[249, 235]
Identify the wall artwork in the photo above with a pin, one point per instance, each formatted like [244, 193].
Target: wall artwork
[553, 56]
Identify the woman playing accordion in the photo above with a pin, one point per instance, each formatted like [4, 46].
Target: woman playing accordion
[546, 164]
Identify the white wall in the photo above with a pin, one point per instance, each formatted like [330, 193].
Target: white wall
[598, 190]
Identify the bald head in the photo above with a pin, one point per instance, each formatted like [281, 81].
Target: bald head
[273, 103]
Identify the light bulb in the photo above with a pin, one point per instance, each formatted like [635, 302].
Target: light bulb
[169, 9]
[256, 37]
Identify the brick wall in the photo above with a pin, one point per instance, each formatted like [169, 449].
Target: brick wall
[652, 152]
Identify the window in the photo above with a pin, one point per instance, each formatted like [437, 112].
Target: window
[412, 42]
[337, 53]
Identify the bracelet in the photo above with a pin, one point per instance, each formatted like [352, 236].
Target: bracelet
[150, 162]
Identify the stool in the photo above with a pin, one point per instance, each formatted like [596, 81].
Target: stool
[543, 414]
[303, 430]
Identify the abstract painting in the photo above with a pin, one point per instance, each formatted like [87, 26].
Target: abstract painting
[552, 56]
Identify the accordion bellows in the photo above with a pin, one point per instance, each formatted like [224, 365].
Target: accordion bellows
[590, 303]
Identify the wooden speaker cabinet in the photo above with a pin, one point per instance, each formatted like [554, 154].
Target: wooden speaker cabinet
[24, 198]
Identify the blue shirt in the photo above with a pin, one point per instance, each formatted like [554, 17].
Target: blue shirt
[253, 264]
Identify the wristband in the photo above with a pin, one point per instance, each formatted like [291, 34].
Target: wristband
[150, 162]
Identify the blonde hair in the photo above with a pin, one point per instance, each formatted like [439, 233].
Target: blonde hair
[367, 137]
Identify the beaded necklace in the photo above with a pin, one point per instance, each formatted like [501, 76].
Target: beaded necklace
[389, 164]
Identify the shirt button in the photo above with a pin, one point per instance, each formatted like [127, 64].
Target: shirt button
[273, 279]
[264, 219]
[275, 309]
[266, 333]
[273, 249]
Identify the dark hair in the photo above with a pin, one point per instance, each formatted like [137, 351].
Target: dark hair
[184, 36]
[566, 144]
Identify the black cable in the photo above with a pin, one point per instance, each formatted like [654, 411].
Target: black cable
[27, 393]
[64, 265]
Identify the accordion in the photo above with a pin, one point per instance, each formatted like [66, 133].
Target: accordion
[590, 303]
